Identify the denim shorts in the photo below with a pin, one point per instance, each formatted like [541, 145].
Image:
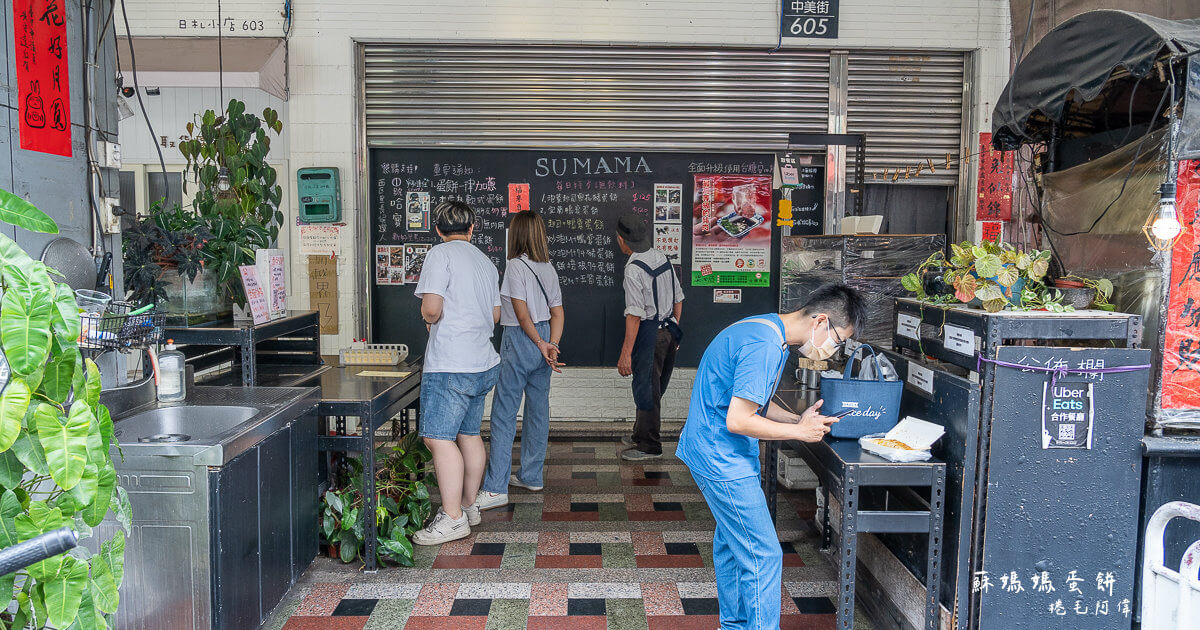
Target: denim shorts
[452, 402]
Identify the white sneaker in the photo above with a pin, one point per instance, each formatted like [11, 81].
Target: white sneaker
[442, 529]
[490, 500]
[513, 481]
[472, 513]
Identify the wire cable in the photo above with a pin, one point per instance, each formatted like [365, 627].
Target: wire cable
[137, 90]
[1012, 110]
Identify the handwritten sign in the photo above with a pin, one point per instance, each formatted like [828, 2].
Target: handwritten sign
[518, 198]
[320, 239]
[43, 75]
[256, 297]
[278, 286]
[995, 182]
[323, 291]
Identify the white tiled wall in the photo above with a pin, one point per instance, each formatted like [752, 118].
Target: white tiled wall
[320, 114]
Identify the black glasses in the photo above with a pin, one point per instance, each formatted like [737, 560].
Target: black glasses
[836, 337]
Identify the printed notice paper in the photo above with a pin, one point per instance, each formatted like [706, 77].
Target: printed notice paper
[256, 297]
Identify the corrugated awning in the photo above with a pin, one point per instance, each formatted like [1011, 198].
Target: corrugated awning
[257, 62]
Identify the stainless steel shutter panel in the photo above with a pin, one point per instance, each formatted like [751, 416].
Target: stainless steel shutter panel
[496, 96]
[910, 105]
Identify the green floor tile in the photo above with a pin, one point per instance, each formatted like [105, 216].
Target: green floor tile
[508, 614]
[697, 513]
[626, 614]
[527, 513]
[613, 512]
[618, 556]
[518, 556]
[390, 614]
[706, 554]
[808, 552]
[608, 479]
[423, 556]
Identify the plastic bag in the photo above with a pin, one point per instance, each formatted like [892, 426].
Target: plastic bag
[868, 444]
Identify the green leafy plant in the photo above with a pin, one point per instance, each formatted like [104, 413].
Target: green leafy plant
[232, 147]
[1103, 288]
[402, 504]
[55, 465]
[1045, 299]
[988, 271]
[915, 281]
[163, 240]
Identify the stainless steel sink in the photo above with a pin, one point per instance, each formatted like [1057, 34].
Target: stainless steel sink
[199, 424]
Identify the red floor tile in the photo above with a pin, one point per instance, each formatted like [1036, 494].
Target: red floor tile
[648, 544]
[793, 560]
[435, 600]
[807, 622]
[568, 562]
[467, 562]
[651, 482]
[547, 600]
[661, 599]
[326, 623]
[669, 562]
[570, 516]
[322, 599]
[657, 516]
[554, 544]
[683, 622]
[497, 516]
[573, 623]
[446, 623]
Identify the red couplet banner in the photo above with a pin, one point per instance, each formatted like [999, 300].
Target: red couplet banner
[43, 75]
[995, 182]
[1181, 348]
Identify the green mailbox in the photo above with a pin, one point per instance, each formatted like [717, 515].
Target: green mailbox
[320, 194]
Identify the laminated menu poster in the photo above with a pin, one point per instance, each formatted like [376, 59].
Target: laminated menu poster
[416, 211]
[256, 297]
[414, 259]
[389, 264]
[731, 231]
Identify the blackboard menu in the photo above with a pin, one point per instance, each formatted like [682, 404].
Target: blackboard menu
[808, 201]
[580, 195]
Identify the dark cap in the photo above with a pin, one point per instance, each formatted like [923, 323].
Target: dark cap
[634, 230]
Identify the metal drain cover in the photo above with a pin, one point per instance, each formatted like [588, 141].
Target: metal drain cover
[166, 437]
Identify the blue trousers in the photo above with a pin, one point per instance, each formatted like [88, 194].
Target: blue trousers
[747, 557]
[523, 371]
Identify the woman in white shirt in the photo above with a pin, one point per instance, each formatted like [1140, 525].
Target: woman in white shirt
[531, 313]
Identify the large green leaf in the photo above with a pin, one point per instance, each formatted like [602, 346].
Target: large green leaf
[104, 420]
[989, 291]
[14, 402]
[40, 519]
[1007, 276]
[21, 213]
[25, 330]
[90, 617]
[11, 254]
[112, 553]
[987, 265]
[84, 492]
[66, 314]
[91, 383]
[30, 452]
[1037, 269]
[10, 508]
[65, 443]
[95, 512]
[11, 469]
[60, 371]
[64, 591]
[123, 509]
[104, 586]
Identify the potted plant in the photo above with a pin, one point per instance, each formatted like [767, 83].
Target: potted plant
[163, 254]
[1083, 292]
[237, 193]
[989, 275]
[55, 466]
[402, 505]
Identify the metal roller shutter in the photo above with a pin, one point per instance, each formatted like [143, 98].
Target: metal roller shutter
[910, 105]
[495, 96]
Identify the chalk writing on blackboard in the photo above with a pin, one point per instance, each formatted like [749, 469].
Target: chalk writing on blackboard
[1080, 600]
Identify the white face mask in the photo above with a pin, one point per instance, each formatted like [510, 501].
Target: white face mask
[825, 351]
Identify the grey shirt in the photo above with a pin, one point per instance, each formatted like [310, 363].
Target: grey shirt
[640, 299]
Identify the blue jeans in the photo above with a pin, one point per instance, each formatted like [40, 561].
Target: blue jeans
[747, 557]
[522, 371]
[452, 403]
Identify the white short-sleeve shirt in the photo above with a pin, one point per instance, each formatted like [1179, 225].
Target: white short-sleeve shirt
[468, 282]
[521, 277]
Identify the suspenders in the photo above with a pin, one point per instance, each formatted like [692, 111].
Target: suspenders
[773, 326]
[654, 274]
[545, 295]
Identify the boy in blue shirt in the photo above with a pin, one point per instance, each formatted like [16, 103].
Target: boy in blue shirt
[731, 410]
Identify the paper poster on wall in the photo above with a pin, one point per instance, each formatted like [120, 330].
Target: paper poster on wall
[668, 203]
[668, 239]
[256, 297]
[731, 231]
[991, 231]
[323, 291]
[414, 259]
[995, 182]
[1181, 346]
[727, 296]
[389, 264]
[318, 239]
[43, 76]
[518, 198]
[416, 211]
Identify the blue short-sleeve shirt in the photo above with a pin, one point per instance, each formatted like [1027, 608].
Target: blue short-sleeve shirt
[744, 360]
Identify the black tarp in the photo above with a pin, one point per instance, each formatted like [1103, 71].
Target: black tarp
[1074, 62]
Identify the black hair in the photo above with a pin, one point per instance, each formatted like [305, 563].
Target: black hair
[844, 305]
[454, 217]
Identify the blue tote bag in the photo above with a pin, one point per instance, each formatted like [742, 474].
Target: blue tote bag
[874, 405]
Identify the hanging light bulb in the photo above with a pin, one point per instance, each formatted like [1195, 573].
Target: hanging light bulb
[1163, 228]
[223, 179]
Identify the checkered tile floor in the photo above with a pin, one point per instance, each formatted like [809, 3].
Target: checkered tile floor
[607, 544]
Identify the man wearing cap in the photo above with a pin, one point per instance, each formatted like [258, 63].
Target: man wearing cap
[653, 306]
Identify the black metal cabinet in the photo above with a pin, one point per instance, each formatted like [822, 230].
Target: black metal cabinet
[285, 352]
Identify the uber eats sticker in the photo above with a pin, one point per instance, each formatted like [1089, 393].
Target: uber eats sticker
[1067, 415]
